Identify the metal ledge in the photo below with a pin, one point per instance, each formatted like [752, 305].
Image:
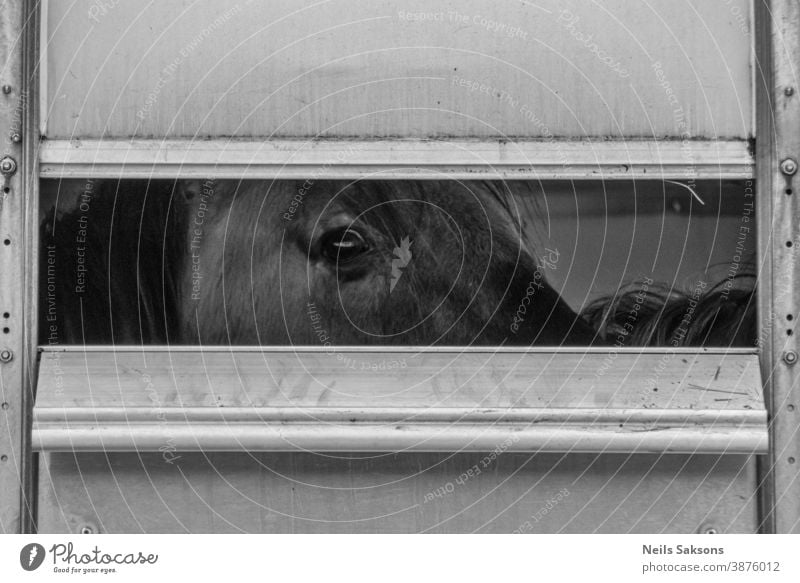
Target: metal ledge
[402, 430]
[397, 159]
[158, 399]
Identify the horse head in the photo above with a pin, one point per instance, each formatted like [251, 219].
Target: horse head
[430, 262]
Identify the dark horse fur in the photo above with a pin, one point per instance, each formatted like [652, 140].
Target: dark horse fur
[346, 263]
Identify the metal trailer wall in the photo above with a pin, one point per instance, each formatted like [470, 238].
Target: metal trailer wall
[350, 69]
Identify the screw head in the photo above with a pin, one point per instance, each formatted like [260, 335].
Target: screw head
[788, 166]
[86, 529]
[6, 355]
[6, 89]
[790, 357]
[789, 91]
[16, 138]
[8, 165]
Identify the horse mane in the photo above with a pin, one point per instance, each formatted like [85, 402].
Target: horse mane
[646, 313]
[128, 240]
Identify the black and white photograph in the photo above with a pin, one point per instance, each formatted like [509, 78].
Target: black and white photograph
[277, 268]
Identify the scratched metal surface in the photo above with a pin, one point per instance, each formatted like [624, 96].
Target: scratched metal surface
[17, 203]
[779, 245]
[349, 68]
[547, 493]
[663, 379]
[292, 399]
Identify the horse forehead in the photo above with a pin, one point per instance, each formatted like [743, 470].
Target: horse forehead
[414, 199]
[411, 205]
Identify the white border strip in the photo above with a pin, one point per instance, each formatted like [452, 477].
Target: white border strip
[396, 159]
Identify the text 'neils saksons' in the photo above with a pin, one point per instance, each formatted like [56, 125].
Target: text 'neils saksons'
[681, 550]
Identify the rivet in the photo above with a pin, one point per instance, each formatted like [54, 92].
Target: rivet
[789, 91]
[789, 166]
[790, 357]
[8, 165]
[6, 356]
[86, 529]
[16, 138]
[6, 89]
[710, 530]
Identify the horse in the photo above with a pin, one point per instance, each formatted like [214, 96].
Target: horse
[336, 263]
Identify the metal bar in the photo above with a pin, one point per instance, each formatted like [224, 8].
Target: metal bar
[400, 437]
[396, 159]
[10, 301]
[418, 415]
[30, 236]
[778, 148]
[17, 231]
[265, 400]
[454, 350]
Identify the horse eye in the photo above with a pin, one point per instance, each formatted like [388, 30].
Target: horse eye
[343, 245]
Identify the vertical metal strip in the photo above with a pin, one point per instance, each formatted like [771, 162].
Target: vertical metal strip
[765, 148]
[29, 173]
[41, 10]
[778, 152]
[13, 439]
